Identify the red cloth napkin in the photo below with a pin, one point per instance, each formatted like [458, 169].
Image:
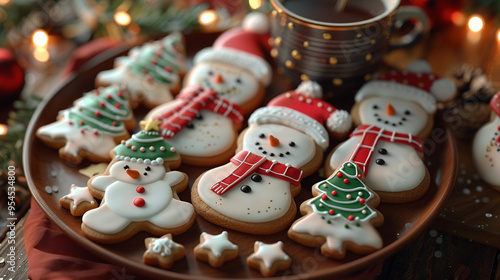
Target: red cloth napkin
[53, 255]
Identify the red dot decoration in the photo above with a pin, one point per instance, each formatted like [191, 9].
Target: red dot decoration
[82, 122]
[96, 132]
[360, 176]
[70, 123]
[120, 93]
[362, 201]
[140, 189]
[350, 218]
[339, 175]
[346, 181]
[101, 104]
[97, 113]
[118, 105]
[324, 197]
[115, 124]
[169, 69]
[139, 202]
[331, 212]
[334, 193]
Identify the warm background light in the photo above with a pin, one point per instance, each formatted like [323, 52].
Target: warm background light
[255, 4]
[122, 18]
[41, 54]
[458, 18]
[40, 38]
[4, 2]
[498, 34]
[475, 23]
[3, 129]
[207, 17]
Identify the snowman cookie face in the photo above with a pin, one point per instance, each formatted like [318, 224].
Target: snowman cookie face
[230, 82]
[405, 116]
[486, 153]
[136, 173]
[279, 142]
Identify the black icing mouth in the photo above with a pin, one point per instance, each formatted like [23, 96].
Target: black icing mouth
[400, 122]
[222, 91]
[271, 154]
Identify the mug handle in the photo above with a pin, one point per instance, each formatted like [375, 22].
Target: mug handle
[420, 26]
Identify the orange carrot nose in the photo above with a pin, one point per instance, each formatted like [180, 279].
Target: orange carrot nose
[218, 79]
[133, 173]
[390, 110]
[273, 141]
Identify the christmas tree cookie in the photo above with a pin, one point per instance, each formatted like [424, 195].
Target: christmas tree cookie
[151, 72]
[92, 127]
[341, 216]
[138, 191]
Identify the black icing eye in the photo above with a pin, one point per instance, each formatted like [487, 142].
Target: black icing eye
[145, 174]
[126, 167]
[271, 154]
[238, 80]
[262, 135]
[382, 151]
[375, 107]
[407, 113]
[256, 178]
[190, 125]
[380, 161]
[210, 73]
[198, 117]
[148, 168]
[291, 144]
[246, 188]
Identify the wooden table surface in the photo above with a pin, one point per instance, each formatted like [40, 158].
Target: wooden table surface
[464, 241]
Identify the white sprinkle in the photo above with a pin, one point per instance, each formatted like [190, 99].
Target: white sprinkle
[479, 188]
[485, 199]
[48, 189]
[55, 189]
[488, 215]
[439, 240]
[433, 233]
[466, 191]
[408, 225]
[438, 254]
[53, 173]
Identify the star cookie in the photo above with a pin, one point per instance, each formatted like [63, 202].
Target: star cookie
[269, 258]
[78, 201]
[215, 249]
[162, 251]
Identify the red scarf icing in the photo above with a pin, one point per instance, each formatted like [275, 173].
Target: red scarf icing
[371, 135]
[194, 100]
[248, 163]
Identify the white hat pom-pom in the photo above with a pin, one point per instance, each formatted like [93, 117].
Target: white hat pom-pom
[443, 89]
[256, 22]
[339, 121]
[419, 66]
[310, 89]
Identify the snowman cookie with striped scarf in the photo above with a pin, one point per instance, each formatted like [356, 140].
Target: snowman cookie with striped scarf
[284, 142]
[394, 114]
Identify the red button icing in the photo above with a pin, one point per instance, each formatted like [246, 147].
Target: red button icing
[140, 189]
[139, 202]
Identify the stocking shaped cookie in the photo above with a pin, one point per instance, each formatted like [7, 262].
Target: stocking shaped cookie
[284, 142]
[92, 127]
[150, 72]
[394, 113]
[139, 192]
[341, 216]
[227, 81]
[486, 147]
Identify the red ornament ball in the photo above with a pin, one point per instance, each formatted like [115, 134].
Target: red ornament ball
[339, 175]
[11, 77]
[346, 181]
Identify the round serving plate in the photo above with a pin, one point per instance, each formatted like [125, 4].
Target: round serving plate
[403, 222]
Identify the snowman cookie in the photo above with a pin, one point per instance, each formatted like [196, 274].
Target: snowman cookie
[486, 147]
[394, 114]
[284, 142]
[138, 192]
[151, 72]
[341, 216]
[92, 127]
[229, 80]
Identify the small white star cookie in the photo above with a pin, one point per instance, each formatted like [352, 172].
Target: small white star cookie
[162, 251]
[215, 249]
[78, 201]
[269, 258]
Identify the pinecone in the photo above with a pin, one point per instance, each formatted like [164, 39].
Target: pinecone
[470, 110]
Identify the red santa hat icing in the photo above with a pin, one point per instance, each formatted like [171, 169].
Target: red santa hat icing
[242, 47]
[416, 84]
[302, 110]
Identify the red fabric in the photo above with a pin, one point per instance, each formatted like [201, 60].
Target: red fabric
[53, 255]
[248, 163]
[371, 135]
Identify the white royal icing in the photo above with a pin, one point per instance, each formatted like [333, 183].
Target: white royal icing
[79, 195]
[486, 154]
[163, 246]
[217, 243]
[269, 253]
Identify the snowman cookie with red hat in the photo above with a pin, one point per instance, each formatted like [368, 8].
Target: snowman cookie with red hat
[284, 142]
[394, 113]
[227, 82]
[138, 191]
[486, 147]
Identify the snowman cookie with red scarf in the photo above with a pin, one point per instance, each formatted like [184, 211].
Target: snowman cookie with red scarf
[486, 147]
[227, 81]
[284, 142]
[138, 191]
[394, 114]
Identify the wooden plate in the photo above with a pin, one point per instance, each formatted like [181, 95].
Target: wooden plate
[403, 222]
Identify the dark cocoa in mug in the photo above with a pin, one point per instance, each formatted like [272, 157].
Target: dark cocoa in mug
[338, 49]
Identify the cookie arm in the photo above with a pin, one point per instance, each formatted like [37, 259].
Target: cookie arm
[102, 182]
